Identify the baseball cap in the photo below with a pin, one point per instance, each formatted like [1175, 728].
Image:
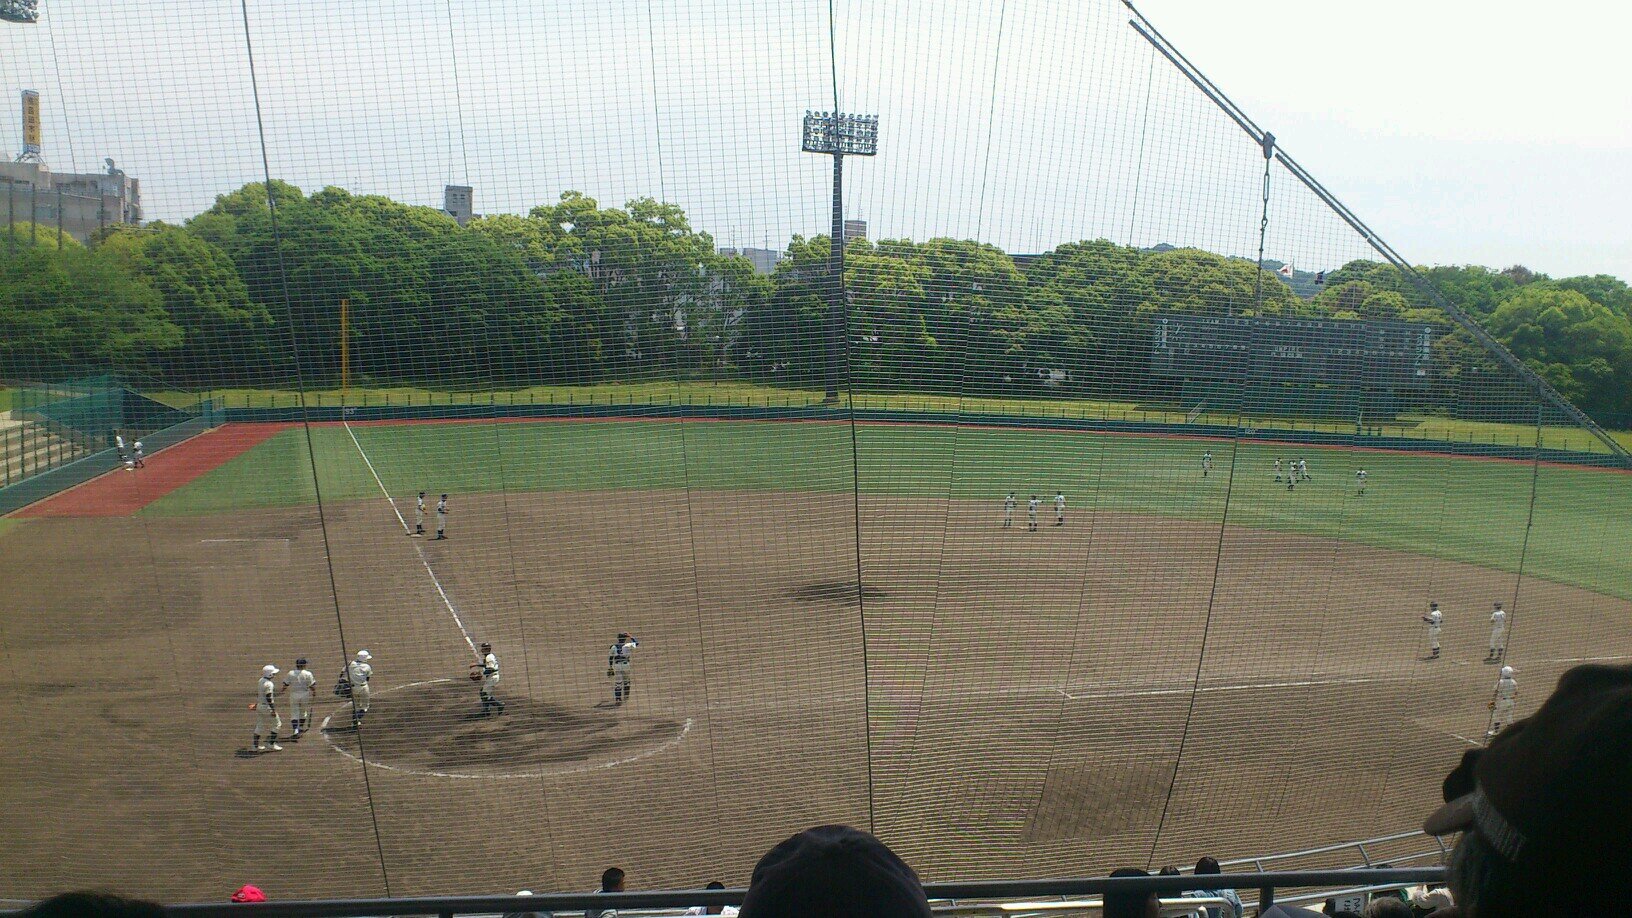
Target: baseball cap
[1552, 793]
[833, 872]
[247, 893]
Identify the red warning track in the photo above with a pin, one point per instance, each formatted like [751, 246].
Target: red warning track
[120, 493]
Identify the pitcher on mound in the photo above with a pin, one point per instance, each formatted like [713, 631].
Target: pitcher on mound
[619, 667]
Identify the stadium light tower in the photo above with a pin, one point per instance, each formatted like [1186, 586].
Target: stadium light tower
[19, 11]
[838, 135]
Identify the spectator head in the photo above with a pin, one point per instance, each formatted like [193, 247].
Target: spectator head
[1546, 808]
[1208, 865]
[248, 893]
[612, 880]
[1387, 907]
[1168, 871]
[833, 872]
[714, 909]
[91, 905]
[1131, 904]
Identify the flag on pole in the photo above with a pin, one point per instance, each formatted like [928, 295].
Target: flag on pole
[1286, 271]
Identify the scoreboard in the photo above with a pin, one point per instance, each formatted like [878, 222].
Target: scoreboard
[1377, 355]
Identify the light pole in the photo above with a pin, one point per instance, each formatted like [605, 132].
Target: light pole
[838, 135]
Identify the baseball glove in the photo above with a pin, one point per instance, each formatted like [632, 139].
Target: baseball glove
[475, 675]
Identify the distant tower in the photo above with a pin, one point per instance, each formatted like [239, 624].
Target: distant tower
[458, 201]
[855, 229]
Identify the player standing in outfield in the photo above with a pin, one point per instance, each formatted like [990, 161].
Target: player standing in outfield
[442, 518]
[1360, 480]
[136, 454]
[618, 667]
[1277, 469]
[1303, 470]
[1008, 510]
[1501, 708]
[1206, 463]
[487, 673]
[1031, 513]
[1433, 620]
[358, 672]
[299, 683]
[1498, 634]
[266, 711]
[1059, 508]
[419, 514]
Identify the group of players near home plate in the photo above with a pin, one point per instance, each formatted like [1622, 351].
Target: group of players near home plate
[354, 683]
[1295, 471]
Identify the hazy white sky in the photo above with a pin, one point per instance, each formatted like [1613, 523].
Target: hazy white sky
[1486, 132]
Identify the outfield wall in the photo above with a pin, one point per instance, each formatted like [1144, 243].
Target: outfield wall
[503, 412]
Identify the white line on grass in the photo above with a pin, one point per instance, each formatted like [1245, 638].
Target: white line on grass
[1242, 687]
[418, 549]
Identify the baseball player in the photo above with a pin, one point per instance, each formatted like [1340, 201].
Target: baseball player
[1501, 708]
[1433, 620]
[487, 673]
[136, 453]
[1498, 634]
[419, 515]
[1206, 463]
[358, 672]
[299, 683]
[1303, 470]
[1031, 513]
[442, 518]
[1360, 480]
[266, 711]
[1277, 468]
[1059, 508]
[1008, 510]
[618, 662]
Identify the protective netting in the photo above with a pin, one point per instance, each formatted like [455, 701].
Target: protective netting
[566, 265]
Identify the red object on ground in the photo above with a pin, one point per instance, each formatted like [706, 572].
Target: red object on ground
[121, 493]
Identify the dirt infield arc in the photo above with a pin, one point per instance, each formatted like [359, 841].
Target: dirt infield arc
[121, 494]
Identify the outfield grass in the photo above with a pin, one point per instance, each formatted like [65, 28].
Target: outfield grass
[5, 399]
[1422, 427]
[1456, 508]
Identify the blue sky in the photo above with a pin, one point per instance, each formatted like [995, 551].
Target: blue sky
[1462, 132]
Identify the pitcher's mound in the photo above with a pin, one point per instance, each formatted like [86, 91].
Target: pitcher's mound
[437, 729]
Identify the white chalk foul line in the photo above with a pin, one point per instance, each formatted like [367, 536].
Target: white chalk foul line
[545, 772]
[418, 549]
[1241, 687]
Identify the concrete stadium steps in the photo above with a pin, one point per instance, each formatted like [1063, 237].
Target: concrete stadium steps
[28, 448]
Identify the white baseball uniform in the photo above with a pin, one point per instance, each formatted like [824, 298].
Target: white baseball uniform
[300, 683]
[1434, 620]
[1277, 470]
[1031, 511]
[1059, 508]
[1498, 632]
[1507, 689]
[441, 516]
[619, 661]
[1008, 510]
[358, 674]
[267, 721]
[419, 514]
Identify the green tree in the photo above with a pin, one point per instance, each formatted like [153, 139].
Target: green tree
[1582, 348]
[71, 311]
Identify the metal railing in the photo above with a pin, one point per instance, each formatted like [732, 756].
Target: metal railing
[1006, 897]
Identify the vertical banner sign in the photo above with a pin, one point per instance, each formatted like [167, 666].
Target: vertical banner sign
[31, 122]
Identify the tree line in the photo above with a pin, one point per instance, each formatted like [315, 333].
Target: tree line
[574, 292]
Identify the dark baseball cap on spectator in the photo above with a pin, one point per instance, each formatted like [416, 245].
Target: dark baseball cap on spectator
[1553, 792]
[833, 872]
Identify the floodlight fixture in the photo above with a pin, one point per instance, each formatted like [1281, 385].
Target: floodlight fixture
[841, 134]
[25, 11]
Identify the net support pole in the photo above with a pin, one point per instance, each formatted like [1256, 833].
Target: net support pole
[835, 285]
[1540, 386]
[345, 349]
